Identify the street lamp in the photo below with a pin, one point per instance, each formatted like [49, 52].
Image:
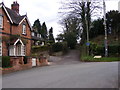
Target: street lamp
[105, 27]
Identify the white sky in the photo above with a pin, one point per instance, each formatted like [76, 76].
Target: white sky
[47, 11]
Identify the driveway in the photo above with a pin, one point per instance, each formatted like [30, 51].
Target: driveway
[70, 73]
[72, 57]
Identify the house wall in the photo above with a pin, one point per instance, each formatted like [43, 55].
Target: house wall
[5, 29]
[15, 30]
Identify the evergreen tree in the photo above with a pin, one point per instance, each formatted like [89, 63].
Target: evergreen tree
[37, 26]
[51, 37]
[44, 31]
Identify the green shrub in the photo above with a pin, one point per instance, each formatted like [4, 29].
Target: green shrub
[65, 47]
[113, 50]
[103, 59]
[5, 61]
[40, 48]
[25, 59]
[57, 47]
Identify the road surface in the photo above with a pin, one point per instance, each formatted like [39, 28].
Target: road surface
[73, 74]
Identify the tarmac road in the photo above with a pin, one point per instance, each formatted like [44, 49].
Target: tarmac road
[73, 74]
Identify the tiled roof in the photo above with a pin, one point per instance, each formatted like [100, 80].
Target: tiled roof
[16, 18]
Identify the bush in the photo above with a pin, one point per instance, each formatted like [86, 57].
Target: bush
[65, 47]
[103, 59]
[57, 47]
[113, 50]
[40, 48]
[5, 61]
[25, 59]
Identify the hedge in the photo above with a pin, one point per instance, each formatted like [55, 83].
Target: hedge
[59, 46]
[113, 50]
[56, 47]
[40, 48]
[5, 61]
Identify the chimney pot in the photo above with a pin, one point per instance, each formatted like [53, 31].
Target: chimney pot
[15, 7]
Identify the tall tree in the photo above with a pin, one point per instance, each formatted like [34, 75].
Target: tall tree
[113, 21]
[44, 34]
[83, 11]
[71, 31]
[37, 26]
[51, 37]
[97, 28]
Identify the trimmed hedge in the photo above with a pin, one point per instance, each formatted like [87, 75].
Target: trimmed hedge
[5, 61]
[113, 50]
[59, 46]
[40, 48]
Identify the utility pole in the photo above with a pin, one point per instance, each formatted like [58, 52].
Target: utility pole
[87, 30]
[105, 27]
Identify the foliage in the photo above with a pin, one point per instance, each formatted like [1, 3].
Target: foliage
[60, 37]
[113, 25]
[71, 40]
[5, 61]
[37, 26]
[113, 21]
[65, 47]
[44, 31]
[97, 28]
[71, 31]
[51, 37]
[39, 48]
[113, 50]
[57, 47]
[83, 11]
[103, 59]
[25, 59]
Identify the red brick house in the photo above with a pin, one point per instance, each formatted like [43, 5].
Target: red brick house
[15, 32]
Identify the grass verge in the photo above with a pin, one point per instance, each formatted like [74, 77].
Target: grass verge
[103, 59]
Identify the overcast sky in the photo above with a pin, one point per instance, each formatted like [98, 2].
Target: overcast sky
[47, 11]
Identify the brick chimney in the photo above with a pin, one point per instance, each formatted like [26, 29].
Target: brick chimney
[15, 6]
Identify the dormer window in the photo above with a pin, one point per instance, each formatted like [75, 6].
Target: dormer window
[1, 21]
[24, 29]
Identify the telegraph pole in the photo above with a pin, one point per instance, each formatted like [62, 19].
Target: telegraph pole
[105, 27]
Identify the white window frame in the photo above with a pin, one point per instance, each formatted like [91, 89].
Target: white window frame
[24, 29]
[1, 21]
[12, 50]
[23, 50]
[17, 49]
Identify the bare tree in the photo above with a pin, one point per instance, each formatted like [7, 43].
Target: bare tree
[81, 10]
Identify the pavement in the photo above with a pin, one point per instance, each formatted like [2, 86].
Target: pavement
[66, 72]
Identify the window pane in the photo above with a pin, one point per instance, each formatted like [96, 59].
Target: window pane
[24, 29]
[1, 21]
[11, 50]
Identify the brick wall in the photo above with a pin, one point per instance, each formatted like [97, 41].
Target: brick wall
[15, 30]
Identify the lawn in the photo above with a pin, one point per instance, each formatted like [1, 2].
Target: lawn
[103, 59]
